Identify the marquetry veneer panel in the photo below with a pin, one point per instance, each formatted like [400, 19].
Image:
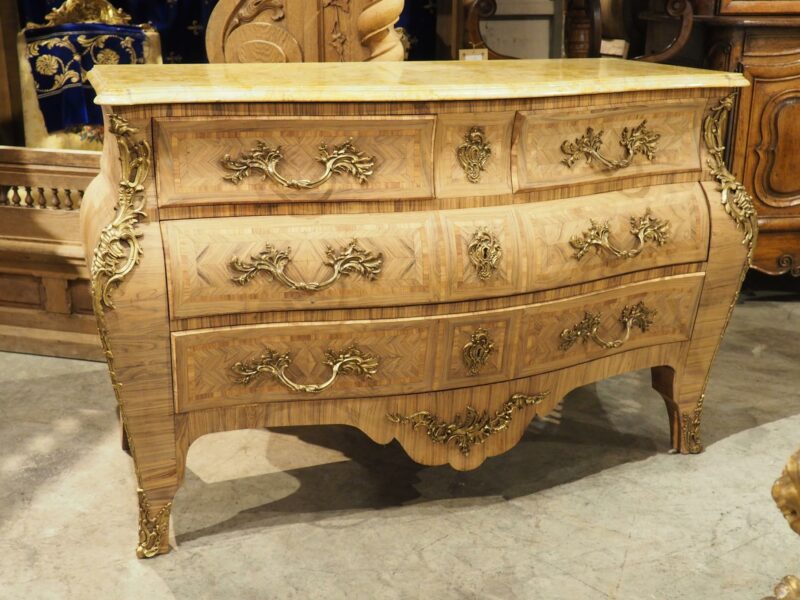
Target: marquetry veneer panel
[539, 135]
[425, 255]
[191, 150]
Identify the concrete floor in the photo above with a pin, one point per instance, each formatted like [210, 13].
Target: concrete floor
[588, 506]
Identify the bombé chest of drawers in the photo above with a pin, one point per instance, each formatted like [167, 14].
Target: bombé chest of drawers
[431, 252]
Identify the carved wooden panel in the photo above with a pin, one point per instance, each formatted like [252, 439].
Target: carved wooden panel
[774, 133]
[549, 227]
[673, 300]
[494, 177]
[290, 31]
[199, 254]
[538, 158]
[191, 151]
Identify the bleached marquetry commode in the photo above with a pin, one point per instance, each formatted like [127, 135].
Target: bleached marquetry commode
[432, 252]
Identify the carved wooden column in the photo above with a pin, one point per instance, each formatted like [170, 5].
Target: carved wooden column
[580, 31]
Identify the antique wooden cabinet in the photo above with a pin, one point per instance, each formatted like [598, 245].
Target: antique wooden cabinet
[430, 252]
[761, 40]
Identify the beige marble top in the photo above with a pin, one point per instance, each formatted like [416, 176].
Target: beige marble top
[391, 81]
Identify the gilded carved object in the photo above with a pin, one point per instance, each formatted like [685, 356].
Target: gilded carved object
[151, 529]
[351, 361]
[638, 140]
[786, 492]
[475, 428]
[344, 159]
[484, 252]
[735, 199]
[636, 315]
[645, 229]
[473, 153]
[477, 350]
[377, 32]
[787, 589]
[739, 206]
[118, 250]
[690, 428]
[351, 259]
[117, 253]
[84, 11]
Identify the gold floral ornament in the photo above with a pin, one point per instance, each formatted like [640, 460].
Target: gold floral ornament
[351, 259]
[484, 252]
[344, 159]
[151, 529]
[645, 229]
[636, 315]
[473, 154]
[787, 589]
[737, 202]
[639, 140]
[84, 11]
[48, 64]
[350, 361]
[475, 428]
[786, 492]
[477, 350]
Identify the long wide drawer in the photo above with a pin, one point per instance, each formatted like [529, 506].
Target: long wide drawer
[253, 264]
[267, 363]
[261, 159]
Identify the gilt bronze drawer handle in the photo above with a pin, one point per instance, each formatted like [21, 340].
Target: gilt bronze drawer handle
[344, 159]
[484, 252]
[351, 259]
[638, 140]
[473, 429]
[645, 229]
[632, 315]
[351, 361]
[473, 153]
[477, 350]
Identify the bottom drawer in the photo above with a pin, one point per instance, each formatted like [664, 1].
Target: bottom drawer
[351, 359]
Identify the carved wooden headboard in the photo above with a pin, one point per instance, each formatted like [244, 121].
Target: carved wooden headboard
[304, 31]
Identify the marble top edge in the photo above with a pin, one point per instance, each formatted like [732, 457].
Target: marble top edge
[392, 81]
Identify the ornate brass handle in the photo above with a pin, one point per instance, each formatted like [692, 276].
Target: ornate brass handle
[473, 153]
[344, 159]
[351, 259]
[645, 229]
[351, 361]
[632, 315]
[638, 140]
[473, 429]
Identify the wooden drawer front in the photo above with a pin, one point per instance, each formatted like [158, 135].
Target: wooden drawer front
[190, 154]
[542, 140]
[404, 356]
[204, 360]
[422, 257]
[473, 154]
[199, 254]
[671, 303]
[556, 233]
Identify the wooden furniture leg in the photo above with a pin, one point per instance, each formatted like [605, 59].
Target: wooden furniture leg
[138, 353]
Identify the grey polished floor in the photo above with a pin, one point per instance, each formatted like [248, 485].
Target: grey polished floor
[588, 506]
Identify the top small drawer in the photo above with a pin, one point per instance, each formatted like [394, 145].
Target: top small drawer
[219, 160]
[557, 148]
